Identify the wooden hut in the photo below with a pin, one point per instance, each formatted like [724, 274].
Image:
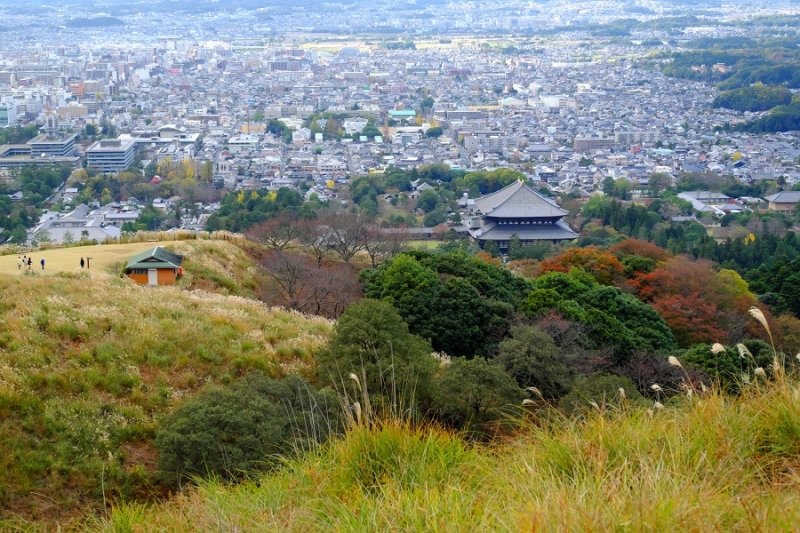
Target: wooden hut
[157, 266]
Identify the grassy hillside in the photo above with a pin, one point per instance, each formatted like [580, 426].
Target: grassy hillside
[711, 464]
[89, 362]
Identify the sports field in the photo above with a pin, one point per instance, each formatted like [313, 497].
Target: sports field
[103, 257]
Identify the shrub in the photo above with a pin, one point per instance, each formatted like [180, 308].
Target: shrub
[372, 342]
[471, 392]
[232, 431]
[531, 357]
[602, 389]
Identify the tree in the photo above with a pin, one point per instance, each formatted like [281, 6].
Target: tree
[460, 303]
[658, 183]
[237, 430]
[434, 132]
[207, 173]
[382, 244]
[609, 186]
[41, 237]
[302, 283]
[472, 392]
[531, 357]
[277, 233]
[428, 200]
[68, 237]
[492, 249]
[601, 265]
[346, 234]
[394, 367]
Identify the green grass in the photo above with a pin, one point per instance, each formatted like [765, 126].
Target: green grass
[89, 363]
[714, 464]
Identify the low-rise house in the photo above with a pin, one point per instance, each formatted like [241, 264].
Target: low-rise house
[157, 266]
[784, 201]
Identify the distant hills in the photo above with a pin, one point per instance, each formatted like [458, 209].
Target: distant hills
[95, 22]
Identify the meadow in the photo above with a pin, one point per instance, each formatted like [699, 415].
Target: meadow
[710, 463]
[90, 362]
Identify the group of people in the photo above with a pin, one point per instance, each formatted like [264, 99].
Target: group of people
[27, 261]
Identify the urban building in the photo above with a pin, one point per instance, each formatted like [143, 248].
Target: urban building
[110, 155]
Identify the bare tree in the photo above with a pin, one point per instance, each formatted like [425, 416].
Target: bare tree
[315, 238]
[384, 243]
[277, 233]
[346, 235]
[292, 273]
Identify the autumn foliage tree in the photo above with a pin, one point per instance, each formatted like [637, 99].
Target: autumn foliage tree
[601, 265]
[699, 303]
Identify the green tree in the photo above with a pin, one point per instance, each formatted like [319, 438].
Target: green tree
[434, 132]
[530, 356]
[608, 186]
[471, 392]
[492, 248]
[428, 200]
[372, 342]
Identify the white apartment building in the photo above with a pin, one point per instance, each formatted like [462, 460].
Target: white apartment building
[110, 155]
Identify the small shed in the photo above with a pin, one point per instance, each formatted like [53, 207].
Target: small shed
[157, 266]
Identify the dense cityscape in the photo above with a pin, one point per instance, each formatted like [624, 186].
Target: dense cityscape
[278, 97]
[399, 266]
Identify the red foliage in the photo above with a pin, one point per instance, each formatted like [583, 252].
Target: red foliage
[699, 303]
[640, 247]
[603, 266]
[691, 318]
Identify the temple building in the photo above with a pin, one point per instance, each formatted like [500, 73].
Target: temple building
[518, 209]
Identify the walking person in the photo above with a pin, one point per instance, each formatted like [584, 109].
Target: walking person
[81, 262]
[30, 262]
[42, 261]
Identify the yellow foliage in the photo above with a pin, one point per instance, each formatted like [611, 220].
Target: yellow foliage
[240, 197]
[254, 195]
[750, 238]
[272, 195]
[737, 155]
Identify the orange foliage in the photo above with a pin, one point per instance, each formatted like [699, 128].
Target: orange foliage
[486, 257]
[640, 247]
[601, 265]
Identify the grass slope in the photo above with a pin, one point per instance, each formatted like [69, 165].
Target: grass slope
[89, 362]
[715, 464]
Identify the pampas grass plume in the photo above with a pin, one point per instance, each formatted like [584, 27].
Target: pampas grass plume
[717, 348]
[535, 391]
[526, 401]
[656, 387]
[674, 361]
[622, 393]
[355, 378]
[658, 405]
[759, 372]
[758, 314]
[743, 351]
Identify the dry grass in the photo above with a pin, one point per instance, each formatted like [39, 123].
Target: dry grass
[104, 257]
[88, 364]
[717, 464]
